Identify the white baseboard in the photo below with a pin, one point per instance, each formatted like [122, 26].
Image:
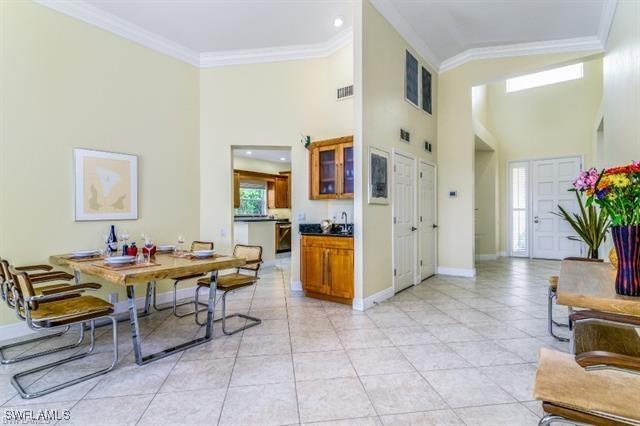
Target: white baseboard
[457, 272]
[296, 285]
[366, 303]
[268, 263]
[487, 256]
[502, 254]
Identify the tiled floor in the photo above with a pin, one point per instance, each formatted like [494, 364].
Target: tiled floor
[448, 351]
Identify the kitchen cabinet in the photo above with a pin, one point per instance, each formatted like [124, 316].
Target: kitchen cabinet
[331, 168]
[278, 193]
[327, 267]
[236, 190]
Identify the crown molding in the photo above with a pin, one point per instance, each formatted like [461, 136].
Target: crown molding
[580, 44]
[391, 14]
[606, 20]
[99, 18]
[276, 54]
[109, 22]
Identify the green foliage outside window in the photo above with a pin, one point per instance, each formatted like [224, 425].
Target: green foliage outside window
[252, 202]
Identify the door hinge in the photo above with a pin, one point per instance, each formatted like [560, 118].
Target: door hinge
[394, 272]
[395, 220]
[420, 175]
[420, 218]
[421, 263]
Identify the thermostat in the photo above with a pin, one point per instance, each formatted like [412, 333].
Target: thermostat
[453, 194]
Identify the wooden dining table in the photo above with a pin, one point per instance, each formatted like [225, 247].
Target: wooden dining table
[591, 285]
[161, 266]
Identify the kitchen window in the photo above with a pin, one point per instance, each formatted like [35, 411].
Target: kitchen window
[253, 199]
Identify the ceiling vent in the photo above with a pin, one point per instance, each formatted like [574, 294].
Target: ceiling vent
[345, 92]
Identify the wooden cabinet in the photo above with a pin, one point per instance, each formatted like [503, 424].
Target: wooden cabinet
[278, 193]
[236, 190]
[327, 267]
[331, 169]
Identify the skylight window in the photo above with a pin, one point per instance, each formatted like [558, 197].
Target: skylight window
[544, 78]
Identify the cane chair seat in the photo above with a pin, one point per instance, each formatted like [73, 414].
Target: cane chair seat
[553, 283]
[562, 382]
[230, 281]
[195, 245]
[62, 310]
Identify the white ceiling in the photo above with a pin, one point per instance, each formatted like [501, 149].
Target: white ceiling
[273, 155]
[445, 32]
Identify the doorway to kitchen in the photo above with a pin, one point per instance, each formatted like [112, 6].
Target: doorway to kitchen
[262, 202]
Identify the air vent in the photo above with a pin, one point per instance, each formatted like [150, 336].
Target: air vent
[345, 92]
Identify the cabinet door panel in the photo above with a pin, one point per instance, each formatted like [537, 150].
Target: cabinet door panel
[327, 171]
[347, 170]
[236, 190]
[340, 273]
[282, 193]
[314, 264]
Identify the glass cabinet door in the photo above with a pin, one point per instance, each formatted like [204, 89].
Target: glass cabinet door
[347, 170]
[327, 171]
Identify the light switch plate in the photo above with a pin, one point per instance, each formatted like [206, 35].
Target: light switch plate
[302, 217]
[223, 232]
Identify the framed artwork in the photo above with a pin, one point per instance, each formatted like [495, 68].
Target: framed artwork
[378, 176]
[411, 92]
[426, 90]
[106, 185]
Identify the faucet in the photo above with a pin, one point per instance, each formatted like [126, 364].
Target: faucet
[345, 230]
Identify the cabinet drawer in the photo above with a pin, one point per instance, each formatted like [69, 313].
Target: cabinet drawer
[327, 242]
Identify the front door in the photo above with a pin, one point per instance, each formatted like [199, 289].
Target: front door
[427, 220]
[404, 228]
[550, 181]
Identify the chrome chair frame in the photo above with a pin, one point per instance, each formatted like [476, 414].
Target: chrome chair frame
[551, 296]
[43, 298]
[174, 306]
[8, 287]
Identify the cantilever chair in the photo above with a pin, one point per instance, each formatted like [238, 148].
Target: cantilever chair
[235, 281]
[61, 308]
[553, 294]
[195, 245]
[37, 279]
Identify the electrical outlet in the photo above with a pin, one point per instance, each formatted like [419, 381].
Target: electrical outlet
[223, 232]
[301, 217]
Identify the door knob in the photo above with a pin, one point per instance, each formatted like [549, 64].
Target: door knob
[413, 228]
[435, 226]
[536, 219]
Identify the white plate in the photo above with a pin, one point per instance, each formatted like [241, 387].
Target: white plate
[204, 253]
[84, 253]
[168, 247]
[119, 260]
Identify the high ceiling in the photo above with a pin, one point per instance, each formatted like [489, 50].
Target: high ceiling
[221, 32]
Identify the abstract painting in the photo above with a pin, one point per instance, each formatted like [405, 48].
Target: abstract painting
[106, 185]
[378, 176]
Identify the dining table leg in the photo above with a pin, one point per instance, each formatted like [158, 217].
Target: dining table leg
[76, 276]
[133, 320]
[211, 305]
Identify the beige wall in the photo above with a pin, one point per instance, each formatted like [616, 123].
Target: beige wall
[456, 148]
[66, 84]
[385, 111]
[486, 203]
[549, 121]
[621, 101]
[265, 105]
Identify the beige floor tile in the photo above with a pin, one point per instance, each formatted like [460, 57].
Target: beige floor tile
[277, 326]
[315, 341]
[401, 393]
[332, 399]
[192, 408]
[322, 365]
[362, 421]
[122, 410]
[219, 347]
[428, 418]
[433, 357]
[466, 387]
[199, 375]
[379, 361]
[517, 380]
[454, 333]
[363, 338]
[485, 353]
[403, 336]
[265, 345]
[498, 415]
[434, 317]
[535, 407]
[273, 404]
[351, 322]
[262, 370]
[132, 380]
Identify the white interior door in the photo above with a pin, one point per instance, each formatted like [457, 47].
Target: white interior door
[550, 181]
[428, 224]
[404, 228]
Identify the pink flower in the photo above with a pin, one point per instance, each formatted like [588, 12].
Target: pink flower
[586, 180]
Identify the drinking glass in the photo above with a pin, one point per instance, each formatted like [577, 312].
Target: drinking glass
[179, 246]
[140, 258]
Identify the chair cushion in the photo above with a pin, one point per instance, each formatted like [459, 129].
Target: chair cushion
[553, 283]
[561, 381]
[230, 281]
[66, 309]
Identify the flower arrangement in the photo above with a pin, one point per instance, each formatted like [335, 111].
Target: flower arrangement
[616, 190]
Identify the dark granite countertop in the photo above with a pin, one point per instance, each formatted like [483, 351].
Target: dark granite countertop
[259, 219]
[314, 229]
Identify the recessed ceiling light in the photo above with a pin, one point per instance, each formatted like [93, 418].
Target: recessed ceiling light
[248, 152]
[338, 21]
[283, 159]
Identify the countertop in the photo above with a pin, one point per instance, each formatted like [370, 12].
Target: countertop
[315, 230]
[259, 219]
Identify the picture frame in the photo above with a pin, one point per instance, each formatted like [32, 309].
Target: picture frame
[379, 176]
[105, 185]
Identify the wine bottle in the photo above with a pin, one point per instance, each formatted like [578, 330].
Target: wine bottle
[112, 241]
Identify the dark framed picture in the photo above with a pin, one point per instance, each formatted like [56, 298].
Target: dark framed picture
[411, 91]
[378, 176]
[426, 90]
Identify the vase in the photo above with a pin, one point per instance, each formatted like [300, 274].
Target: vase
[627, 242]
